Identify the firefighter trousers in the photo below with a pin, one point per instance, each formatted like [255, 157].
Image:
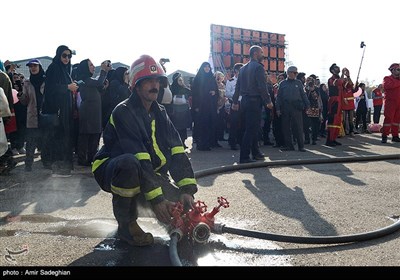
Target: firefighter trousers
[391, 122]
[122, 176]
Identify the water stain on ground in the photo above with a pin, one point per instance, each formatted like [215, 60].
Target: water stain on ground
[218, 251]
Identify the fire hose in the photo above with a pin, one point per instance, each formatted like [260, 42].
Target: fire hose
[198, 224]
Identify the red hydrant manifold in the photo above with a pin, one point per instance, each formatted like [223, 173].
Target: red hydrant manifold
[196, 223]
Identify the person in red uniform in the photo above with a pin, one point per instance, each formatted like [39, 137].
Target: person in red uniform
[348, 105]
[142, 152]
[335, 85]
[391, 86]
[377, 99]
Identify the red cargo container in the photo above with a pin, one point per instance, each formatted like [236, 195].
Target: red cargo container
[227, 32]
[230, 45]
[246, 35]
[272, 65]
[256, 36]
[281, 65]
[216, 28]
[237, 59]
[265, 37]
[273, 39]
[217, 46]
[281, 53]
[281, 39]
[227, 47]
[272, 52]
[227, 61]
[237, 48]
[246, 48]
[237, 33]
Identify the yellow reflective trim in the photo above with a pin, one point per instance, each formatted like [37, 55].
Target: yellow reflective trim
[155, 145]
[142, 156]
[349, 98]
[333, 126]
[96, 164]
[177, 150]
[111, 120]
[153, 194]
[186, 181]
[125, 192]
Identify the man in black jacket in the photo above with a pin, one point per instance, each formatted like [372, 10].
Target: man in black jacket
[141, 149]
[252, 86]
[290, 103]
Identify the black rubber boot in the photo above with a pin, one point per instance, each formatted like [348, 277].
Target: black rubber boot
[128, 229]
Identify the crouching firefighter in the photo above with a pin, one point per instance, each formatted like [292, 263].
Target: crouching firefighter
[142, 151]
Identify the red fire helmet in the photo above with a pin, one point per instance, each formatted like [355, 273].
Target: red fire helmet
[145, 67]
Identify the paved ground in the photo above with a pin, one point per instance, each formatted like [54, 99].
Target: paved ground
[69, 222]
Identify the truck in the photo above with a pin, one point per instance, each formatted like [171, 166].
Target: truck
[230, 45]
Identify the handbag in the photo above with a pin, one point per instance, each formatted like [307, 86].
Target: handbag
[375, 128]
[3, 139]
[10, 123]
[48, 120]
[312, 112]
[4, 106]
[179, 99]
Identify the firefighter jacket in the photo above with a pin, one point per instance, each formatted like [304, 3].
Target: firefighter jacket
[391, 85]
[348, 96]
[154, 141]
[335, 85]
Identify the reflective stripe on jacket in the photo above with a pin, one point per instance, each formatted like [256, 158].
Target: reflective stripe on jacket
[153, 140]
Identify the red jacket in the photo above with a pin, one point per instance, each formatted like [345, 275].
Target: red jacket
[348, 96]
[392, 88]
[377, 93]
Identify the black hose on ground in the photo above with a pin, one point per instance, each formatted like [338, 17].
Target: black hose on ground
[259, 164]
[306, 239]
[314, 239]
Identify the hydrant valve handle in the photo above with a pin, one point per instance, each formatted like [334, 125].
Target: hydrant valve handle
[223, 202]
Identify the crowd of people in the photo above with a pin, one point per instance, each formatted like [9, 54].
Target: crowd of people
[143, 121]
[243, 107]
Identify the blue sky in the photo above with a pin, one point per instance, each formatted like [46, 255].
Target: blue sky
[318, 33]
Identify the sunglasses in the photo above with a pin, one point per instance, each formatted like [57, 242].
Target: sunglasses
[397, 69]
[64, 55]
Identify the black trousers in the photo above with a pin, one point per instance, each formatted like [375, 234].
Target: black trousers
[87, 146]
[306, 127]
[33, 140]
[266, 127]
[377, 113]
[234, 128]
[292, 119]
[251, 111]
[122, 176]
[277, 131]
[315, 124]
[361, 114]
